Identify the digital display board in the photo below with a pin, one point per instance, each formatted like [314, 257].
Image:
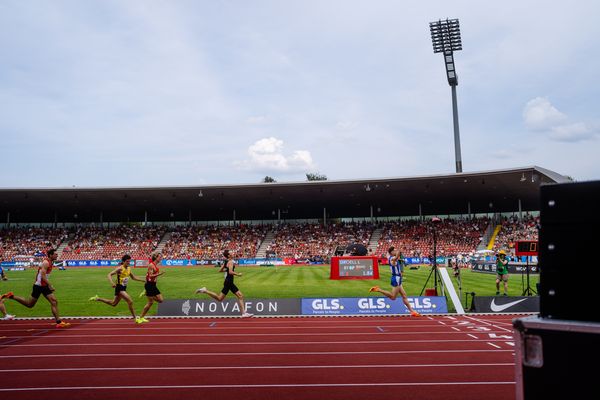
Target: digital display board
[354, 267]
[526, 248]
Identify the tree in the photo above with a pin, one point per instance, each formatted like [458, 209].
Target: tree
[315, 176]
[268, 179]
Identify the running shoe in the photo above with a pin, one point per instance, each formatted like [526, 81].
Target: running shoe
[143, 293]
[144, 319]
[497, 293]
[138, 320]
[94, 298]
[505, 294]
[8, 316]
[247, 315]
[374, 289]
[8, 295]
[63, 324]
[201, 290]
[415, 314]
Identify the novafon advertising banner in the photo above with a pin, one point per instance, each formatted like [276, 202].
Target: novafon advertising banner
[373, 305]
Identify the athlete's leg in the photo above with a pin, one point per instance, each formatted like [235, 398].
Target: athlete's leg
[391, 295]
[405, 299]
[29, 303]
[53, 306]
[505, 283]
[217, 297]
[240, 299]
[147, 306]
[125, 296]
[112, 302]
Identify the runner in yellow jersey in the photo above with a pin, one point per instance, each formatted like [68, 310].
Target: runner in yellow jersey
[123, 273]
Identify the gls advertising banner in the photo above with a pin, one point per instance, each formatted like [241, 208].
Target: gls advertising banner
[372, 306]
[505, 304]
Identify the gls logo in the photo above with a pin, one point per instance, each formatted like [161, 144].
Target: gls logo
[326, 304]
[372, 304]
[422, 303]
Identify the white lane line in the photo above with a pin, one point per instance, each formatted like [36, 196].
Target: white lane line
[192, 335]
[510, 343]
[192, 368]
[252, 354]
[473, 336]
[455, 328]
[39, 389]
[441, 322]
[492, 344]
[271, 343]
[490, 324]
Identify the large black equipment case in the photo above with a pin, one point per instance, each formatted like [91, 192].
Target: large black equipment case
[568, 251]
[556, 359]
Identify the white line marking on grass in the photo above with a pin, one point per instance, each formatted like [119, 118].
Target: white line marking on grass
[229, 386]
[492, 344]
[245, 367]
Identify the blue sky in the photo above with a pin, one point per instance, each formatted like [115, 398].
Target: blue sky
[145, 93]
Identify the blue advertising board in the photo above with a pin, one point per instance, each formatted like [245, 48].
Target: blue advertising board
[373, 306]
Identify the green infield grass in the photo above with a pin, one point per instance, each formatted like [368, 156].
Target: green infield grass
[75, 286]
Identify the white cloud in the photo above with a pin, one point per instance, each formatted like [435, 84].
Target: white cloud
[266, 155]
[540, 114]
[572, 132]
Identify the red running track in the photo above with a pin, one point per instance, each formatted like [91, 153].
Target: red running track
[460, 357]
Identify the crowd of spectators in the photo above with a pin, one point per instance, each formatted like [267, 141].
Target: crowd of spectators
[28, 242]
[111, 243]
[513, 230]
[316, 241]
[209, 242]
[310, 243]
[414, 238]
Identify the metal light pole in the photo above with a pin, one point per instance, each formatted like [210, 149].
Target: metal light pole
[445, 37]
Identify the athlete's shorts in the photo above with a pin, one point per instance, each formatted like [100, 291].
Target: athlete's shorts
[396, 280]
[229, 285]
[151, 289]
[119, 289]
[37, 290]
[502, 277]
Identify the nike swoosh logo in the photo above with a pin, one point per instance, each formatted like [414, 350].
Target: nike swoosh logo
[498, 308]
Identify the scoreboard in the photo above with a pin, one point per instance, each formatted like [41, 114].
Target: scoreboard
[526, 248]
[354, 267]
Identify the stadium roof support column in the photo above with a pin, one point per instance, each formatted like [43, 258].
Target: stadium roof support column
[520, 211]
[7, 219]
[234, 217]
[324, 216]
[371, 213]
[189, 217]
[55, 219]
[145, 218]
[101, 219]
[420, 212]
[469, 209]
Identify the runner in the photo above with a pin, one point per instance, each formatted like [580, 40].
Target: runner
[123, 273]
[228, 268]
[397, 268]
[152, 292]
[42, 286]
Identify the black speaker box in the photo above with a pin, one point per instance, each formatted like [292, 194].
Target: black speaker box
[569, 251]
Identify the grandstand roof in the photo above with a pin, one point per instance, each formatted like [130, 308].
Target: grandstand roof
[486, 191]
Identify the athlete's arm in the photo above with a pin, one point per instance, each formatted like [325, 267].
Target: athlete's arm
[44, 275]
[135, 278]
[113, 272]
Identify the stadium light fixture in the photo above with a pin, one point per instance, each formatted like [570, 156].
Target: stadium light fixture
[445, 37]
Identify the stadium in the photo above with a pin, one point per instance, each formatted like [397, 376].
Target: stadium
[142, 254]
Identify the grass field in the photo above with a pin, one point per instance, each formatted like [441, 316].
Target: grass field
[74, 286]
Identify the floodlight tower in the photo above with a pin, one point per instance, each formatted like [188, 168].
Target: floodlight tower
[445, 36]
